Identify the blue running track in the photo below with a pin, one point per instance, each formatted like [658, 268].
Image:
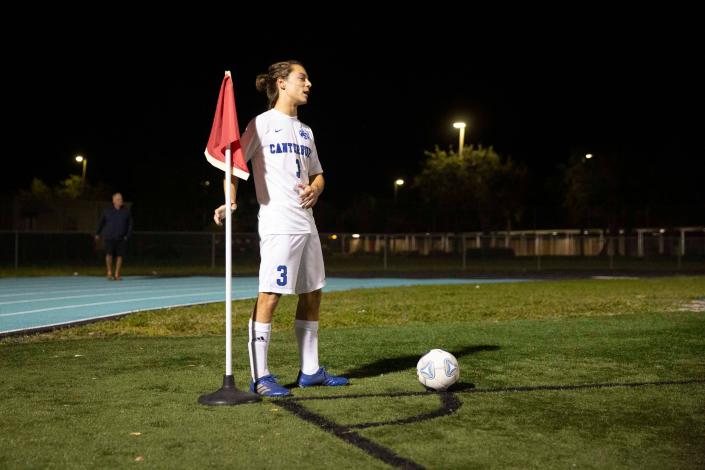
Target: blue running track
[35, 303]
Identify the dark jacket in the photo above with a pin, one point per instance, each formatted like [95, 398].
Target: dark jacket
[115, 224]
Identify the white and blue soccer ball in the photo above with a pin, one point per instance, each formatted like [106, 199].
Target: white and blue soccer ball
[438, 369]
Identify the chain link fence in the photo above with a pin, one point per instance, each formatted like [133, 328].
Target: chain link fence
[352, 252]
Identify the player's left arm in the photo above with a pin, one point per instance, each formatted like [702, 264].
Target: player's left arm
[311, 191]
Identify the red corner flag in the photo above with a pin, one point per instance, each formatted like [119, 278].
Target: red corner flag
[225, 132]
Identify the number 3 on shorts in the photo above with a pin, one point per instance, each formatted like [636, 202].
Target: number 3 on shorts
[282, 281]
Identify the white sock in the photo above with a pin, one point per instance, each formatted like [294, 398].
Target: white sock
[258, 347]
[307, 337]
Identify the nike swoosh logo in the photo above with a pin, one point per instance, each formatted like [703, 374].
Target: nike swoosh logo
[277, 130]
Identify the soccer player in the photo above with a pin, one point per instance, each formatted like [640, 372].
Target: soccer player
[288, 182]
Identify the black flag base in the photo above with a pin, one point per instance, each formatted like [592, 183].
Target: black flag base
[228, 394]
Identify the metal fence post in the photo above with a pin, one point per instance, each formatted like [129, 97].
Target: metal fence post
[464, 252]
[385, 251]
[212, 250]
[17, 249]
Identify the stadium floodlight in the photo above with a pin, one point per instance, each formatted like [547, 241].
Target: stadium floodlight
[398, 182]
[84, 160]
[461, 138]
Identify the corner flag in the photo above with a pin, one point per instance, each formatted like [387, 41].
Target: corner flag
[225, 132]
[224, 151]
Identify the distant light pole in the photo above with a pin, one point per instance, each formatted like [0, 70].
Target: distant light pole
[461, 127]
[84, 160]
[398, 182]
[588, 156]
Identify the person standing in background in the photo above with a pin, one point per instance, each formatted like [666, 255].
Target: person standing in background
[115, 227]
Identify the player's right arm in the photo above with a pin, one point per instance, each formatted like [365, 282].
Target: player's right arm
[219, 214]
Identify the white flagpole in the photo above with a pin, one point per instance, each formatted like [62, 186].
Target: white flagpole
[228, 267]
[228, 394]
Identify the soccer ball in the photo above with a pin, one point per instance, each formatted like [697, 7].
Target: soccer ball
[438, 369]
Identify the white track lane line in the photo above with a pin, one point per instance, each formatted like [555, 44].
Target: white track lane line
[127, 288]
[64, 307]
[117, 314]
[121, 292]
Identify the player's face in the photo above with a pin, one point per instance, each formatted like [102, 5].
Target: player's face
[297, 85]
[117, 200]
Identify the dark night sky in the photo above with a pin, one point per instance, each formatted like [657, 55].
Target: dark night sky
[141, 110]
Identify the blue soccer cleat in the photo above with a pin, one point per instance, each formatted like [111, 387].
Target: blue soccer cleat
[320, 378]
[267, 386]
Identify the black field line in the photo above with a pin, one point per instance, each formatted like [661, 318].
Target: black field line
[449, 405]
[343, 432]
[539, 388]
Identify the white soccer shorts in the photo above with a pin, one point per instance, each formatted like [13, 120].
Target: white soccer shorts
[291, 264]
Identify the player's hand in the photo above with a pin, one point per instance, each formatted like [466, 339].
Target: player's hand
[308, 195]
[219, 214]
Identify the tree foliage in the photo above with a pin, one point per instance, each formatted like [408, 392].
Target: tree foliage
[594, 191]
[476, 190]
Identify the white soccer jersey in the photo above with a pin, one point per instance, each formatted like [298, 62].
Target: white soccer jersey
[283, 155]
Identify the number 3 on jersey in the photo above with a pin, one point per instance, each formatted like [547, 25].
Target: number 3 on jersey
[282, 269]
